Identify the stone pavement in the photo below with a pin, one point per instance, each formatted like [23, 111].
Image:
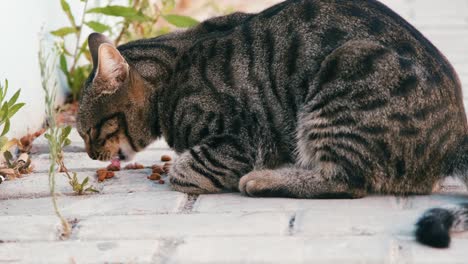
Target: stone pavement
[135, 220]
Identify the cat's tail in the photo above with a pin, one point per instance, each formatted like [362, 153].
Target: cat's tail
[435, 226]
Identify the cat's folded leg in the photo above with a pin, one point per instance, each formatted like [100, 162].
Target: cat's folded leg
[214, 166]
[325, 181]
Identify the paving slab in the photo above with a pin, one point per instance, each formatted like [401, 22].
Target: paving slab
[98, 204]
[235, 202]
[285, 250]
[414, 253]
[28, 228]
[37, 184]
[181, 225]
[356, 222]
[138, 251]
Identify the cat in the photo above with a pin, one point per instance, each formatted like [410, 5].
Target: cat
[307, 99]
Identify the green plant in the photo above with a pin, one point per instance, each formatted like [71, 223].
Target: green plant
[52, 130]
[57, 137]
[8, 108]
[136, 20]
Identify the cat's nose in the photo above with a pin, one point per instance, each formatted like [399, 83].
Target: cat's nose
[92, 155]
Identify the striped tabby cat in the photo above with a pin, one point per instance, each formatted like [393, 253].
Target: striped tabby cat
[307, 99]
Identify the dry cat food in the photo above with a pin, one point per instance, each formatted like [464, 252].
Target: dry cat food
[134, 166]
[154, 177]
[166, 158]
[104, 174]
[157, 169]
[161, 181]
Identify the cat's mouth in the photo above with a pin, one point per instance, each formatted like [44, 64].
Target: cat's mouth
[121, 155]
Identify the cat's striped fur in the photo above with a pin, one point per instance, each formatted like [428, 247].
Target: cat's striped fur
[307, 99]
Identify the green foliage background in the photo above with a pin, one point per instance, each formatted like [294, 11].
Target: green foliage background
[136, 20]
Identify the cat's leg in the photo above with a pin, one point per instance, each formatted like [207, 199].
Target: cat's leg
[328, 180]
[213, 166]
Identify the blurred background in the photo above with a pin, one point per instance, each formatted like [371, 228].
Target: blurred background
[24, 23]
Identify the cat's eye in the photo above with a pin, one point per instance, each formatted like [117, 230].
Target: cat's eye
[110, 128]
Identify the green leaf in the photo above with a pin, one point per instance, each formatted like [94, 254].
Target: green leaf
[48, 137]
[67, 10]
[3, 141]
[3, 91]
[85, 181]
[12, 111]
[65, 6]
[168, 5]
[98, 27]
[6, 86]
[6, 127]
[180, 21]
[66, 142]
[63, 64]
[14, 98]
[7, 155]
[62, 32]
[91, 189]
[4, 112]
[120, 11]
[65, 132]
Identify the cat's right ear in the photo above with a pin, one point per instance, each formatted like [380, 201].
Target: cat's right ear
[95, 40]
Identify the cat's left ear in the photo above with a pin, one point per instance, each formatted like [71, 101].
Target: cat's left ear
[111, 68]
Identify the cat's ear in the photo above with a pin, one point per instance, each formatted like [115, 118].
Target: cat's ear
[94, 42]
[112, 70]
[111, 65]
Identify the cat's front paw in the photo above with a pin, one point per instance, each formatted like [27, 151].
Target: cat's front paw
[187, 176]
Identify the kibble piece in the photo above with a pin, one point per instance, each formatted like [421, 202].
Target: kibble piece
[102, 175]
[166, 158]
[157, 169]
[110, 174]
[154, 177]
[134, 166]
[129, 166]
[139, 166]
[161, 181]
[113, 167]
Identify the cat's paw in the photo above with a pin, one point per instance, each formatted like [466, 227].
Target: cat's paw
[186, 176]
[264, 183]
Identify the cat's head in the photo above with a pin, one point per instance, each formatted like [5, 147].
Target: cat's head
[114, 116]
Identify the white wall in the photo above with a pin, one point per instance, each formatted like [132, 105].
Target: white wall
[443, 22]
[20, 27]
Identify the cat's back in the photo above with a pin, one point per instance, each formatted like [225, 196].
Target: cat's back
[305, 32]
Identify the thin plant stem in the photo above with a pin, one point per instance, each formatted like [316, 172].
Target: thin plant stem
[50, 90]
[78, 37]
